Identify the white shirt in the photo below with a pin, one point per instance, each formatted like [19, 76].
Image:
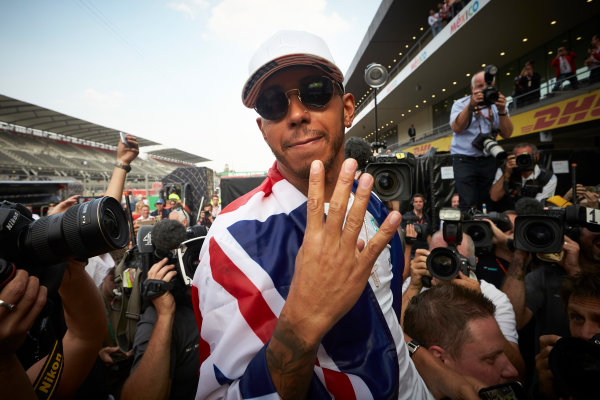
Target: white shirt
[565, 67]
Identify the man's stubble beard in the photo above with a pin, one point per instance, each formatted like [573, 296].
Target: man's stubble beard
[303, 171]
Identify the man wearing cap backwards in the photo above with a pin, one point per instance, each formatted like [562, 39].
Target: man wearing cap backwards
[290, 303]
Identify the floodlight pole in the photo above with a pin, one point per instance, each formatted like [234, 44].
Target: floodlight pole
[376, 125]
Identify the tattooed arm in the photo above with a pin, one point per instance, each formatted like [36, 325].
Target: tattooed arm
[514, 287]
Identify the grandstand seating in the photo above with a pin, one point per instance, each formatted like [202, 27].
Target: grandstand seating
[25, 156]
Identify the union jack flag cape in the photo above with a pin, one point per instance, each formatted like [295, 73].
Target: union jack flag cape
[239, 289]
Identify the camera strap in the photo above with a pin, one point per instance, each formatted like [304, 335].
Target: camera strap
[47, 380]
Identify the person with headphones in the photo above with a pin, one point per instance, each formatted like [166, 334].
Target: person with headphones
[416, 224]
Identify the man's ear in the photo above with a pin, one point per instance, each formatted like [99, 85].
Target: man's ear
[438, 352]
[349, 107]
[260, 123]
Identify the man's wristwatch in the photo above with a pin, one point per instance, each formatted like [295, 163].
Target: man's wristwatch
[127, 168]
[413, 346]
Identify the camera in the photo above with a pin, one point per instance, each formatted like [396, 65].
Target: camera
[575, 365]
[490, 93]
[444, 263]
[487, 143]
[83, 231]
[481, 231]
[420, 229]
[179, 245]
[392, 175]
[524, 162]
[544, 233]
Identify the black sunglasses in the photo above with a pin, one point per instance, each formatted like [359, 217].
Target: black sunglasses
[313, 92]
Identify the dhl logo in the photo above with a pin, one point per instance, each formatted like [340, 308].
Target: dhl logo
[580, 109]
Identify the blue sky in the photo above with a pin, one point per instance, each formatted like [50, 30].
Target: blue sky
[169, 71]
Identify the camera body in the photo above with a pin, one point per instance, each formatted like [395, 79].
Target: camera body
[487, 144]
[490, 93]
[420, 229]
[82, 231]
[444, 263]
[544, 233]
[392, 175]
[481, 231]
[525, 162]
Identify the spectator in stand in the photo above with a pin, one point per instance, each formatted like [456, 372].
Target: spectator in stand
[161, 212]
[444, 11]
[457, 325]
[564, 63]
[526, 180]
[216, 205]
[145, 213]
[593, 61]
[527, 86]
[455, 7]
[435, 22]
[474, 171]
[412, 133]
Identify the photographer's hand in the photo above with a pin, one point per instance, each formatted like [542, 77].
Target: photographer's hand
[418, 269]
[410, 231]
[505, 124]
[29, 298]
[542, 366]
[466, 282]
[164, 304]
[64, 205]
[570, 260]
[125, 154]
[497, 190]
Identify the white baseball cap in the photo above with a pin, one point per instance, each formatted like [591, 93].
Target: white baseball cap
[286, 49]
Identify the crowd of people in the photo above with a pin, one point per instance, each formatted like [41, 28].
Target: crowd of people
[309, 287]
[440, 17]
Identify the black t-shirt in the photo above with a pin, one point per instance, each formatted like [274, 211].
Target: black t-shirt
[411, 217]
[491, 269]
[185, 361]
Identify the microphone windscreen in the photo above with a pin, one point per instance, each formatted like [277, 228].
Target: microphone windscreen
[529, 206]
[167, 234]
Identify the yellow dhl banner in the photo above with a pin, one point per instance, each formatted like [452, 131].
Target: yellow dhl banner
[583, 108]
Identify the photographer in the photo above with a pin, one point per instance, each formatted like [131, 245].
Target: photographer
[457, 326]
[472, 116]
[527, 86]
[419, 232]
[166, 359]
[581, 296]
[504, 313]
[85, 321]
[521, 177]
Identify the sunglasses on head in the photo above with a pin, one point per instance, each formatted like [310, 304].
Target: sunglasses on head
[314, 92]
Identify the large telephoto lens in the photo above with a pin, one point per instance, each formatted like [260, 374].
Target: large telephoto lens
[443, 263]
[84, 230]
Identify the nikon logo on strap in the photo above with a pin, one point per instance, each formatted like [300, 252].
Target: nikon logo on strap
[48, 378]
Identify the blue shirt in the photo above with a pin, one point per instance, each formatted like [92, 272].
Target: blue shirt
[480, 123]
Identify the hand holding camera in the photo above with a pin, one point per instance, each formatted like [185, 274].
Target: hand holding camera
[418, 269]
[164, 304]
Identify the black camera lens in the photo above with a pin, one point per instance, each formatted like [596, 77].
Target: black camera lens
[84, 230]
[476, 232]
[385, 182]
[540, 234]
[443, 263]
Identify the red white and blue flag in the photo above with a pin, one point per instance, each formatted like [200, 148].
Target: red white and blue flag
[240, 286]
